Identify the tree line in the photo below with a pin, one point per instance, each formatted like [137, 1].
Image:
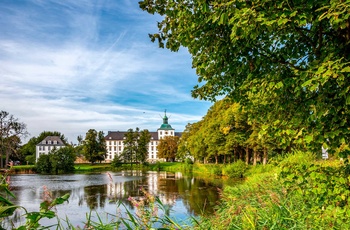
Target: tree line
[285, 66]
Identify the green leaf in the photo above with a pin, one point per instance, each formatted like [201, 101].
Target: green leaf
[223, 18]
[6, 211]
[347, 102]
[205, 8]
[346, 69]
[308, 139]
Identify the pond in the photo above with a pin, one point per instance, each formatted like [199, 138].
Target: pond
[185, 195]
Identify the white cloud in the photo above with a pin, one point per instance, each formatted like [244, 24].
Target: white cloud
[64, 67]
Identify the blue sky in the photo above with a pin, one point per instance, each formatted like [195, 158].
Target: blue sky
[70, 66]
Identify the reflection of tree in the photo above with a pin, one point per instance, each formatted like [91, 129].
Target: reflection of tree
[199, 196]
[95, 196]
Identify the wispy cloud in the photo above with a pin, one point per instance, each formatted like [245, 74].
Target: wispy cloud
[71, 66]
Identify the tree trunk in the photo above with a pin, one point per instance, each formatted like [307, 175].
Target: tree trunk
[265, 156]
[235, 152]
[247, 155]
[224, 158]
[216, 158]
[255, 156]
[240, 153]
[7, 158]
[2, 163]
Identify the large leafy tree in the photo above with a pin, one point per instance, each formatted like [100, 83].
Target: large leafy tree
[136, 145]
[286, 62]
[11, 131]
[142, 145]
[94, 146]
[62, 160]
[167, 147]
[129, 153]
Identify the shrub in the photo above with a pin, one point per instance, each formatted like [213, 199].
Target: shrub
[117, 162]
[216, 170]
[235, 170]
[43, 165]
[188, 161]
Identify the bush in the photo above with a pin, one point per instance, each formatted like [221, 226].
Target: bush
[188, 161]
[117, 162]
[43, 165]
[216, 170]
[235, 170]
[59, 160]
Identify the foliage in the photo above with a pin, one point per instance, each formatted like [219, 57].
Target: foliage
[62, 160]
[147, 214]
[235, 170]
[298, 193]
[43, 165]
[94, 146]
[59, 160]
[167, 147]
[11, 131]
[116, 162]
[225, 134]
[286, 63]
[142, 145]
[324, 190]
[136, 146]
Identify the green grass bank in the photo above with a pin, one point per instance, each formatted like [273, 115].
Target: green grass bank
[297, 192]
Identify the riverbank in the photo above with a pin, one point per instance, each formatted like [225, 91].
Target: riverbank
[298, 192]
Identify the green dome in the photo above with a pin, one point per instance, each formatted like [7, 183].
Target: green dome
[165, 125]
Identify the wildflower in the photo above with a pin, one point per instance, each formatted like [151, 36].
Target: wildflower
[47, 196]
[8, 180]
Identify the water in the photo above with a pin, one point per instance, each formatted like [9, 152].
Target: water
[185, 195]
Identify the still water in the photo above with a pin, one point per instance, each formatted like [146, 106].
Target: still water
[185, 195]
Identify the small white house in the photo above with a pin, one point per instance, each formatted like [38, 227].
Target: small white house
[47, 145]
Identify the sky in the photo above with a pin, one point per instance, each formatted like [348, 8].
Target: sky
[70, 66]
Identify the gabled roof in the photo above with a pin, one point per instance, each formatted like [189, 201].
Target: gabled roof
[53, 140]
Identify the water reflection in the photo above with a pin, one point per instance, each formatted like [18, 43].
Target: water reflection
[186, 195]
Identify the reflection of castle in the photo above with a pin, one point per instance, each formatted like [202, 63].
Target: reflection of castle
[115, 141]
[155, 183]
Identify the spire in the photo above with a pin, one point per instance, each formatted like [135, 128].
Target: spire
[165, 118]
[165, 125]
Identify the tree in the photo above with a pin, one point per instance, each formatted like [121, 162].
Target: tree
[43, 165]
[136, 146]
[62, 160]
[287, 63]
[142, 145]
[11, 131]
[94, 146]
[167, 147]
[130, 145]
[183, 151]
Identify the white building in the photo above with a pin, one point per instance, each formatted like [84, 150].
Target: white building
[47, 145]
[115, 141]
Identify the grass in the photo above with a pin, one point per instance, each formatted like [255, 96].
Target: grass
[263, 200]
[23, 169]
[92, 167]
